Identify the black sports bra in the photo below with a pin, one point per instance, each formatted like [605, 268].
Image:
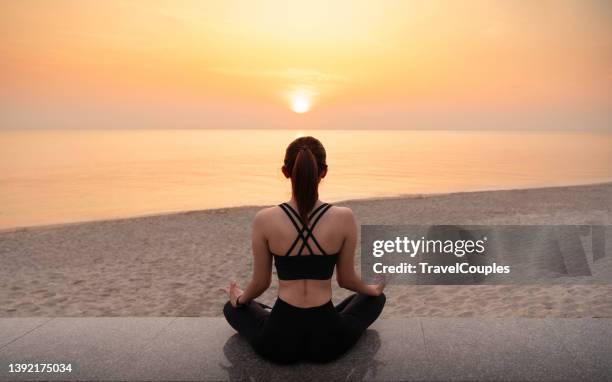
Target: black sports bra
[312, 266]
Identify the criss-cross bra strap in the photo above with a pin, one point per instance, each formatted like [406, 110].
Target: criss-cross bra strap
[285, 207]
[305, 229]
[297, 215]
[295, 219]
[310, 234]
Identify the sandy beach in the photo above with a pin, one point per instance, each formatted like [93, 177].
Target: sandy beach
[172, 265]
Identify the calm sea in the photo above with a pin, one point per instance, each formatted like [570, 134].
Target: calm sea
[55, 176]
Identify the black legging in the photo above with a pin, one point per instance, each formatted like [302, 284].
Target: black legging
[320, 334]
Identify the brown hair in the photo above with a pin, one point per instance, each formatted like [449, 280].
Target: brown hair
[305, 160]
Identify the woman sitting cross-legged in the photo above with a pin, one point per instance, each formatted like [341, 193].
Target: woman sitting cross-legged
[306, 239]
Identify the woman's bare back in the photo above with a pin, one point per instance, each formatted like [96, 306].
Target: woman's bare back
[280, 234]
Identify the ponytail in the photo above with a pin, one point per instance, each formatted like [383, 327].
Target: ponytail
[305, 160]
[305, 182]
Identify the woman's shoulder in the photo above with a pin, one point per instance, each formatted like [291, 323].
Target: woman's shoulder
[341, 214]
[340, 211]
[265, 213]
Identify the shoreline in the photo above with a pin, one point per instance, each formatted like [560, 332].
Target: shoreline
[173, 264]
[251, 206]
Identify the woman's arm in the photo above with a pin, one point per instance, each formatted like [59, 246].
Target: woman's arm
[262, 261]
[346, 276]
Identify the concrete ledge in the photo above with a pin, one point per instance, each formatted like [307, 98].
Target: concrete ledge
[396, 349]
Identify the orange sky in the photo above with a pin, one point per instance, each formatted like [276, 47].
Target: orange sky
[390, 64]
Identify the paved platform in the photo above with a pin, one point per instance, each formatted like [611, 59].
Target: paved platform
[397, 349]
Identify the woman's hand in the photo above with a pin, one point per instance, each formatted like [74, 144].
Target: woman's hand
[381, 283]
[233, 293]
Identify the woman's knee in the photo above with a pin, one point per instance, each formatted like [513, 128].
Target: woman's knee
[228, 311]
[381, 299]
[379, 302]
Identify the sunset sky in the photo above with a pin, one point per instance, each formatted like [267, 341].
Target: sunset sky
[342, 64]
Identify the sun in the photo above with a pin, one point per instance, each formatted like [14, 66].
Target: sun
[300, 103]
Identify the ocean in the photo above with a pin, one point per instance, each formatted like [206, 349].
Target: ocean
[58, 176]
